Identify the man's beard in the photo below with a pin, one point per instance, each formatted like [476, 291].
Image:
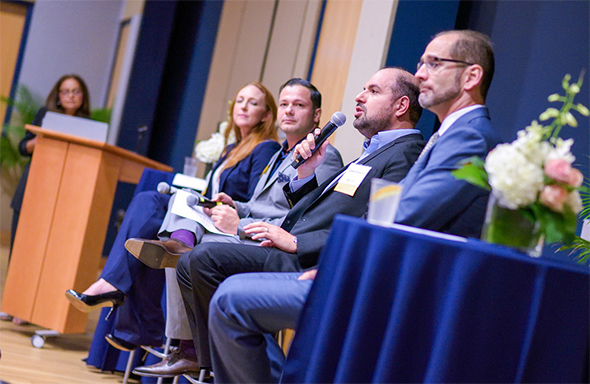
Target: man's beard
[370, 126]
[434, 99]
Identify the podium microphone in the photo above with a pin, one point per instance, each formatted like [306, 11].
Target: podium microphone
[338, 118]
[166, 189]
[140, 135]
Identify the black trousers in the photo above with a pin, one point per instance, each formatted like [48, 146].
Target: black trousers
[200, 272]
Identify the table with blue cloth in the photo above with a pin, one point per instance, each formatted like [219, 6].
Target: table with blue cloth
[405, 305]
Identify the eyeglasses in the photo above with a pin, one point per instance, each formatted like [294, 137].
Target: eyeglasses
[433, 63]
[75, 92]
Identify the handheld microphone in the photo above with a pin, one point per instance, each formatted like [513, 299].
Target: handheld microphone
[192, 200]
[338, 118]
[164, 188]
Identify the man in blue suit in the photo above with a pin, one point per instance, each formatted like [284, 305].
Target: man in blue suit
[455, 73]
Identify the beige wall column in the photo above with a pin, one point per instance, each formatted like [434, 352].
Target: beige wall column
[12, 21]
[334, 53]
[250, 46]
[368, 56]
[237, 59]
[291, 43]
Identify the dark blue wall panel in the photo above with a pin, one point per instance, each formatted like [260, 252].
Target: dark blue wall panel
[415, 24]
[536, 44]
[147, 73]
[167, 85]
[185, 81]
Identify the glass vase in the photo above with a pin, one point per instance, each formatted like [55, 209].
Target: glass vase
[510, 227]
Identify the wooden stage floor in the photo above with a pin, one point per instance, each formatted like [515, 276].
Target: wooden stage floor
[58, 362]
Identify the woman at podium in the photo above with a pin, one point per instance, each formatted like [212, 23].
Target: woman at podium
[69, 96]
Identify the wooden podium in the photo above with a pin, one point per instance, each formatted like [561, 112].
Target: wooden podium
[63, 225]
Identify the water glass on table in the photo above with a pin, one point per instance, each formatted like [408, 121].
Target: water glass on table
[383, 202]
[190, 166]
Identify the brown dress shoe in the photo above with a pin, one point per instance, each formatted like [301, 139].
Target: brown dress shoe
[157, 254]
[176, 363]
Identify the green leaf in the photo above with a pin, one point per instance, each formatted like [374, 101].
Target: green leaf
[556, 226]
[585, 196]
[580, 249]
[101, 114]
[473, 171]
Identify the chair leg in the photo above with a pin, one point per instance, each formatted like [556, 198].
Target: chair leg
[166, 352]
[128, 367]
[202, 376]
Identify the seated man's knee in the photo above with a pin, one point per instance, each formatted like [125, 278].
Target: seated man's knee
[183, 267]
[229, 295]
[202, 257]
[195, 260]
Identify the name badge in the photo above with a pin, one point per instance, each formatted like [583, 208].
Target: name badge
[352, 178]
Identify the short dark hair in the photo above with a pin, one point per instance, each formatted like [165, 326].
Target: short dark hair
[315, 95]
[407, 85]
[474, 47]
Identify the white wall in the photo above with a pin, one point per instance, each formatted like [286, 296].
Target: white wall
[71, 36]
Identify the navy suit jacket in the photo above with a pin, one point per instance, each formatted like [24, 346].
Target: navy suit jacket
[432, 197]
[239, 181]
[311, 217]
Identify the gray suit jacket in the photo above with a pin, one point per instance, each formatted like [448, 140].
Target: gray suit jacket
[268, 203]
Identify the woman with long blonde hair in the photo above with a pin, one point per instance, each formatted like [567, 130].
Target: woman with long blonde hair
[252, 118]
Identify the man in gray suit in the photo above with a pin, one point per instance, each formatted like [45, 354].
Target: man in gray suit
[299, 111]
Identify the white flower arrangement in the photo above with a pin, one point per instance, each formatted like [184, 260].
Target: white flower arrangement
[517, 171]
[534, 173]
[209, 151]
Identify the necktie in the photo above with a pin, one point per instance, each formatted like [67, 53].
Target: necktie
[429, 144]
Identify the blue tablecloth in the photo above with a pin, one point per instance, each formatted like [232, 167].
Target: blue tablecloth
[390, 305]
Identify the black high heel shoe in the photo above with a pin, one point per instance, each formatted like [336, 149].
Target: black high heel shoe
[88, 303]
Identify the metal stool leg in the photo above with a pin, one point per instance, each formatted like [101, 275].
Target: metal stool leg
[166, 352]
[202, 376]
[128, 367]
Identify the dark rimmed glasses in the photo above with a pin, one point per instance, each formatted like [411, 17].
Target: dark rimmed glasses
[432, 64]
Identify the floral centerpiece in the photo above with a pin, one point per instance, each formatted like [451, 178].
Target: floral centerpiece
[534, 188]
[581, 247]
[209, 151]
